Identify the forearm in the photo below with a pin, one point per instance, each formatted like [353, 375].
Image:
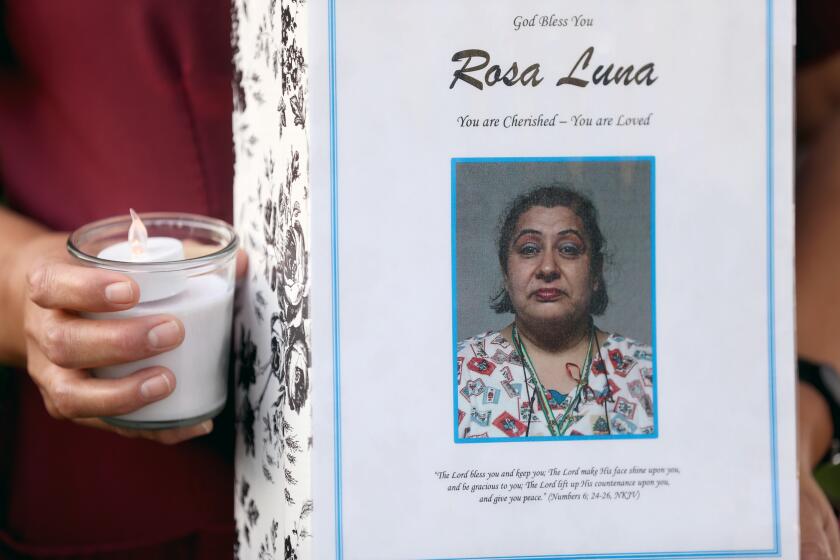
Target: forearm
[817, 95]
[817, 234]
[17, 237]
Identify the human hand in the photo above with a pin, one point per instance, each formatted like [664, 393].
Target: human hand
[819, 534]
[61, 346]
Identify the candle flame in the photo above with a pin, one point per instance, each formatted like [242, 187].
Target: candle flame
[137, 234]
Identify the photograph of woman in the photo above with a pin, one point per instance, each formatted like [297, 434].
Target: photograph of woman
[551, 371]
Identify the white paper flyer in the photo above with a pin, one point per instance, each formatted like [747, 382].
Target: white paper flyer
[521, 279]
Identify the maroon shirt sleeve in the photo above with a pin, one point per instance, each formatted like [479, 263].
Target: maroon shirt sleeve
[106, 105]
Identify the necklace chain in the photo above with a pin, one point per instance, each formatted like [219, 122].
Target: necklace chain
[555, 426]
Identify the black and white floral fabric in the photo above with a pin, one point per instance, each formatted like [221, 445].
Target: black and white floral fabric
[271, 200]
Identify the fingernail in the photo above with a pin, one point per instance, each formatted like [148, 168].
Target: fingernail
[155, 388]
[165, 335]
[119, 292]
[207, 426]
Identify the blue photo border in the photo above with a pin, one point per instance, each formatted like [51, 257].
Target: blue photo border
[455, 162]
[775, 551]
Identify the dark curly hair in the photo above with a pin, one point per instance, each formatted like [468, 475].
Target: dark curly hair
[550, 197]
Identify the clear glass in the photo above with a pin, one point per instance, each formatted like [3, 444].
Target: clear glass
[197, 289]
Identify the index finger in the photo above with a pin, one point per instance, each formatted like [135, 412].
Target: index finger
[58, 285]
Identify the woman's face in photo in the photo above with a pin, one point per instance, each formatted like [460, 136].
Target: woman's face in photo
[548, 279]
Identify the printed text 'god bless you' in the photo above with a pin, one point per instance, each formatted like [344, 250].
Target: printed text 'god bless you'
[477, 72]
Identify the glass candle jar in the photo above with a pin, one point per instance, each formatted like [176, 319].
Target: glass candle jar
[189, 272]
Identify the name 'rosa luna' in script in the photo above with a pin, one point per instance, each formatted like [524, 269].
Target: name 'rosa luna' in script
[476, 60]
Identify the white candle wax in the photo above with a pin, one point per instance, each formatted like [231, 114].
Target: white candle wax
[153, 286]
[205, 307]
[157, 249]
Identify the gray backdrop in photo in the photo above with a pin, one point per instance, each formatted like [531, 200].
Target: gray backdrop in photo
[620, 191]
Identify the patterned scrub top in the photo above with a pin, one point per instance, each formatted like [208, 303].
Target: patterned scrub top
[493, 393]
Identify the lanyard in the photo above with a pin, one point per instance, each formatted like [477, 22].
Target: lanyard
[555, 426]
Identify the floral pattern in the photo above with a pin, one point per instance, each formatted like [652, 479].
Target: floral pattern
[271, 199]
